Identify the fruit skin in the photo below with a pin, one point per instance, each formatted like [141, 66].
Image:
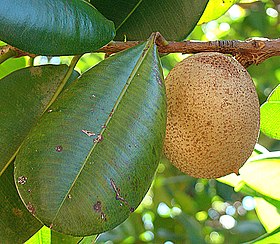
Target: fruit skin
[213, 115]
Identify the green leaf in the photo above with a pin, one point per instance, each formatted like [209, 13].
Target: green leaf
[47, 236]
[192, 227]
[43, 236]
[236, 180]
[247, 1]
[24, 95]
[16, 223]
[12, 65]
[270, 115]
[57, 237]
[231, 180]
[268, 214]
[272, 237]
[90, 161]
[262, 172]
[137, 19]
[88, 240]
[259, 149]
[215, 9]
[54, 27]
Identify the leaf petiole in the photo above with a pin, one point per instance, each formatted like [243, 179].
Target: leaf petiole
[6, 53]
[72, 65]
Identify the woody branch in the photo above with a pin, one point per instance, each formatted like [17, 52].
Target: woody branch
[251, 51]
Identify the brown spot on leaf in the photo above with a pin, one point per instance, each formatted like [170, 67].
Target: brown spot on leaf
[111, 114]
[30, 208]
[17, 212]
[36, 71]
[59, 148]
[99, 138]
[22, 180]
[88, 133]
[97, 207]
[118, 195]
[117, 191]
[103, 216]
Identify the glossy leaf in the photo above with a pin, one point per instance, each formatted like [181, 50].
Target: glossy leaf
[16, 223]
[272, 237]
[24, 95]
[12, 65]
[268, 214]
[54, 27]
[231, 180]
[215, 9]
[270, 115]
[248, 1]
[91, 160]
[57, 237]
[46, 236]
[137, 19]
[42, 236]
[236, 180]
[259, 149]
[88, 239]
[262, 172]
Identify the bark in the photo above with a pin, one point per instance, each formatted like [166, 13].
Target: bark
[251, 51]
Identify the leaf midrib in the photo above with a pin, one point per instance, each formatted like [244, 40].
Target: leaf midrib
[129, 80]
[131, 12]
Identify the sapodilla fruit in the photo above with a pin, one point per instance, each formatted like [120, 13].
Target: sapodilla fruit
[213, 115]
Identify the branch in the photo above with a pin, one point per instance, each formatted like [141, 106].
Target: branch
[8, 51]
[251, 51]
[5, 53]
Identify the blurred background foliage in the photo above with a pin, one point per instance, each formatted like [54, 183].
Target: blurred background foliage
[182, 209]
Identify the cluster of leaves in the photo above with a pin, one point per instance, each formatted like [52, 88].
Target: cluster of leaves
[79, 152]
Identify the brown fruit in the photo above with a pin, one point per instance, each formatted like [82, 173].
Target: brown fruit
[213, 115]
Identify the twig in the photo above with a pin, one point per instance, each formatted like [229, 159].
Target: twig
[6, 52]
[251, 51]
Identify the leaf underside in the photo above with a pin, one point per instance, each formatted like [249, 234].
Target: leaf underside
[91, 159]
